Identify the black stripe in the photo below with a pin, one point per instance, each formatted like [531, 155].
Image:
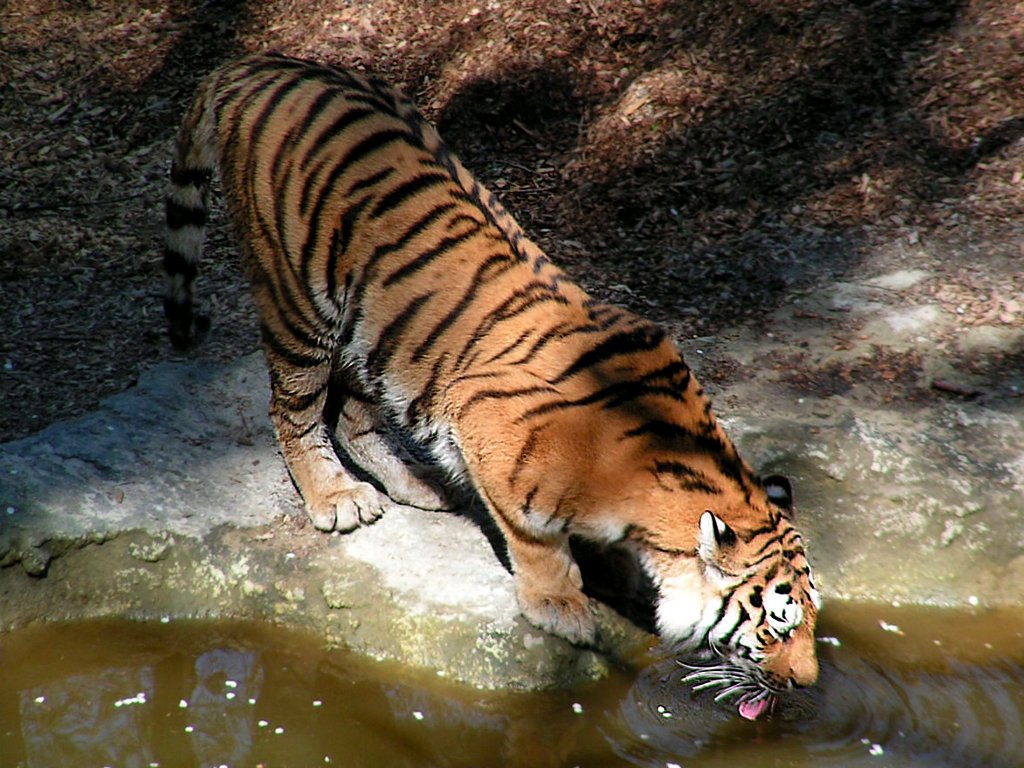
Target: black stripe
[408, 189]
[370, 144]
[502, 394]
[616, 394]
[743, 617]
[383, 351]
[377, 100]
[640, 390]
[479, 279]
[341, 241]
[330, 132]
[526, 452]
[355, 153]
[511, 347]
[422, 260]
[178, 216]
[301, 401]
[295, 359]
[690, 480]
[176, 264]
[381, 252]
[259, 125]
[623, 343]
[270, 106]
[424, 402]
[268, 220]
[661, 430]
[297, 132]
[513, 306]
[458, 219]
[410, 234]
[370, 181]
[564, 331]
[190, 177]
[771, 542]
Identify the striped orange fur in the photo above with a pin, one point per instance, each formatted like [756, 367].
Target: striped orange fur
[396, 292]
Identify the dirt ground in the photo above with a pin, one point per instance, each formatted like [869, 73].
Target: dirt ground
[701, 163]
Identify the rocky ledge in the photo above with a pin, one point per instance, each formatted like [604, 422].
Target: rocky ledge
[172, 500]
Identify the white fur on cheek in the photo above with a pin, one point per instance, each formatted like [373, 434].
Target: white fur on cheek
[687, 609]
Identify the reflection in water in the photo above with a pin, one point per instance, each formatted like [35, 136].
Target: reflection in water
[227, 681]
[202, 694]
[90, 719]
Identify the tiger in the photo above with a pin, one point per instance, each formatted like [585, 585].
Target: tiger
[407, 320]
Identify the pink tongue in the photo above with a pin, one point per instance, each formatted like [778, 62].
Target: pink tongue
[752, 710]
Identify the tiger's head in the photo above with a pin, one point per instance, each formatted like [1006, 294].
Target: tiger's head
[744, 599]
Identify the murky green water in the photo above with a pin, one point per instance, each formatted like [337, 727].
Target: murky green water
[899, 687]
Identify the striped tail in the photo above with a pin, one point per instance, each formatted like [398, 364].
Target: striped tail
[187, 205]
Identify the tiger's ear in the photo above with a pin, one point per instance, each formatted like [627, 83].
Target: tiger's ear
[714, 535]
[780, 492]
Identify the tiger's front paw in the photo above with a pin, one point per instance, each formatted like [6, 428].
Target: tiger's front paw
[345, 509]
[567, 614]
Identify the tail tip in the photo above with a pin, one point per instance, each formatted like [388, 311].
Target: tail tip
[185, 327]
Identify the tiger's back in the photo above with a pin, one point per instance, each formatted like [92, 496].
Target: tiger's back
[388, 280]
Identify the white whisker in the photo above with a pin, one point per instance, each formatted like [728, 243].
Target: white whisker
[733, 690]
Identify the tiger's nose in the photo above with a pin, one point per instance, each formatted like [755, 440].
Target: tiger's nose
[804, 672]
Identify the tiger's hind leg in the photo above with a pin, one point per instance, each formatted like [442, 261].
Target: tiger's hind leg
[359, 434]
[334, 499]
